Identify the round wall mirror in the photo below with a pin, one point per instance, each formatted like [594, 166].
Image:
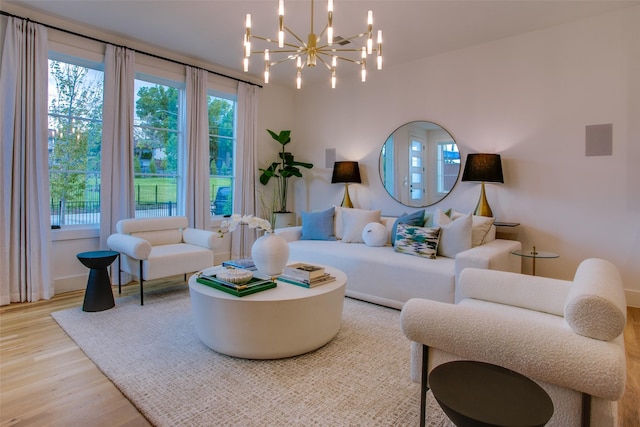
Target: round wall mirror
[419, 164]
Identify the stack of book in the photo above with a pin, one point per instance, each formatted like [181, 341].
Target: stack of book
[306, 275]
[254, 285]
[246, 263]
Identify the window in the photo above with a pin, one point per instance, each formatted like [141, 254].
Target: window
[448, 165]
[75, 135]
[222, 139]
[157, 141]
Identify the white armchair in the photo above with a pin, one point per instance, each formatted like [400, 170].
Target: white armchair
[152, 248]
[565, 335]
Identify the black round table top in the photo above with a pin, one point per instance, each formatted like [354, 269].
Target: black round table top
[97, 259]
[474, 393]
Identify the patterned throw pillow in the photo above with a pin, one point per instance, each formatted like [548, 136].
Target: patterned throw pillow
[418, 241]
[416, 218]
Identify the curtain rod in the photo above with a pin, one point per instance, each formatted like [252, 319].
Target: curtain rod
[2, 12]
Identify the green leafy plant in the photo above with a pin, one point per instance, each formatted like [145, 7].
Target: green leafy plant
[282, 170]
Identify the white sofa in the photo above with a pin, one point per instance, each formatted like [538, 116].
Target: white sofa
[565, 335]
[386, 277]
[152, 248]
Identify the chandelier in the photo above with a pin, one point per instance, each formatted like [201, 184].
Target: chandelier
[316, 49]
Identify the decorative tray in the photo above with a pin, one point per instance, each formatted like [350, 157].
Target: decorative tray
[256, 284]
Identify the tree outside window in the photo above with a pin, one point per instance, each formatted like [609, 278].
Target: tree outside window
[75, 134]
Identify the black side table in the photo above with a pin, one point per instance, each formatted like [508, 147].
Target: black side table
[481, 394]
[98, 296]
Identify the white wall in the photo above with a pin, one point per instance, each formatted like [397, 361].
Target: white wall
[527, 97]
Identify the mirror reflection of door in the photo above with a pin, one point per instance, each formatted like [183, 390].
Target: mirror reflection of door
[419, 164]
[416, 169]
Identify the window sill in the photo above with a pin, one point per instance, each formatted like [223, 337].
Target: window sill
[75, 232]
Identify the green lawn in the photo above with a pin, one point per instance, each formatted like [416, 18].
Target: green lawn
[163, 190]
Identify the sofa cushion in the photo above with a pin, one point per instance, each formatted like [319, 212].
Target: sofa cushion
[337, 221]
[169, 260]
[455, 234]
[133, 225]
[354, 221]
[374, 234]
[480, 227]
[596, 306]
[418, 241]
[318, 225]
[415, 218]
[161, 237]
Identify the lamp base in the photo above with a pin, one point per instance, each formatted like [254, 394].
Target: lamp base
[346, 201]
[482, 208]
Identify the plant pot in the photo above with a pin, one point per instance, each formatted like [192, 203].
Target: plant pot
[270, 254]
[284, 219]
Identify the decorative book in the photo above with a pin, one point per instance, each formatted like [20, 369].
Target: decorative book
[254, 285]
[303, 271]
[246, 263]
[325, 278]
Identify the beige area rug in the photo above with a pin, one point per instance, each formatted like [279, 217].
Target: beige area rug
[153, 355]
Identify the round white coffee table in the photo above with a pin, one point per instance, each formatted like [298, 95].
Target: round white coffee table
[284, 321]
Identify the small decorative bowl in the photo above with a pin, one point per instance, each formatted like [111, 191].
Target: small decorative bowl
[237, 276]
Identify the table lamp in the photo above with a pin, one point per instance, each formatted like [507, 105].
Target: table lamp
[483, 168]
[346, 172]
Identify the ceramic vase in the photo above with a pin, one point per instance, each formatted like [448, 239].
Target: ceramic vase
[270, 254]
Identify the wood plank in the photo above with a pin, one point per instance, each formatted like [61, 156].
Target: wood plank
[45, 379]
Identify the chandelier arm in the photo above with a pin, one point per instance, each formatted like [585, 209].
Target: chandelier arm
[324, 62]
[280, 61]
[323, 31]
[327, 50]
[273, 52]
[344, 58]
[295, 35]
[266, 39]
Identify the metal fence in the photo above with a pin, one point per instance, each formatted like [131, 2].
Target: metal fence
[149, 203]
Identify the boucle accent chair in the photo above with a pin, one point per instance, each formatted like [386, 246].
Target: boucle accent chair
[565, 335]
[152, 248]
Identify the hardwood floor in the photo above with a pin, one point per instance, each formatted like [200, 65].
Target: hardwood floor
[45, 379]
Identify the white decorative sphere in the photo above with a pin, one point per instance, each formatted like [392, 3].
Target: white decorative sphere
[374, 234]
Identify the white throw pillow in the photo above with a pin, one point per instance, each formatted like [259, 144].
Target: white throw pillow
[375, 234]
[354, 221]
[337, 220]
[480, 227]
[455, 234]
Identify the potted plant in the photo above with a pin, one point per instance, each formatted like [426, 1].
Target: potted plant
[281, 170]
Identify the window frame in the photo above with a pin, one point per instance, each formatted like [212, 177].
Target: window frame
[80, 61]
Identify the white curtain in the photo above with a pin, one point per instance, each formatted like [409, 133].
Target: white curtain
[245, 198]
[197, 197]
[26, 272]
[117, 197]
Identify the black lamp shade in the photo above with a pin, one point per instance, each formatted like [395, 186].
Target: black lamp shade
[346, 172]
[483, 168]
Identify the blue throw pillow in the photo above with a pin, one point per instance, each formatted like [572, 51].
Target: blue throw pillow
[318, 225]
[416, 219]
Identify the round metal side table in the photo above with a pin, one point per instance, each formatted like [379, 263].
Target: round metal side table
[534, 254]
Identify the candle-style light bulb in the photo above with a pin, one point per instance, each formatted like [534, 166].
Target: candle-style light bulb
[330, 23]
[281, 23]
[379, 62]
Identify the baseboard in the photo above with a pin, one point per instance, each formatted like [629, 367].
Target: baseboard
[633, 298]
[72, 283]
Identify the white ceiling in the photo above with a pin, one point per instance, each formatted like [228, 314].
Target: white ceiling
[212, 30]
